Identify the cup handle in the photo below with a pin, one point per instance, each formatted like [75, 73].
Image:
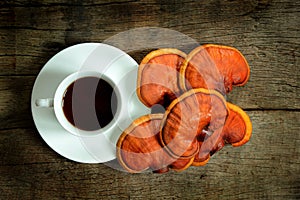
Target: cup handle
[46, 103]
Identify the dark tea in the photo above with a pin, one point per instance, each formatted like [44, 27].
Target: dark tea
[90, 103]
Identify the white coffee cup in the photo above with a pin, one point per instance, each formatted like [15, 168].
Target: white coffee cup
[57, 104]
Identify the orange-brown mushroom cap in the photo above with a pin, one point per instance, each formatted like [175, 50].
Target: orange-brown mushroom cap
[138, 148]
[236, 131]
[187, 116]
[181, 164]
[238, 128]
[209, 144]
[157, 81]
[214, 67]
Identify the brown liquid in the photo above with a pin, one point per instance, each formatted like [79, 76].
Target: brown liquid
[89, 103]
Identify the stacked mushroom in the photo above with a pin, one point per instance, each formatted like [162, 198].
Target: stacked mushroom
[197, 120]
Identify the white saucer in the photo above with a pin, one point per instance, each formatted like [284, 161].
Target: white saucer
[103, 58]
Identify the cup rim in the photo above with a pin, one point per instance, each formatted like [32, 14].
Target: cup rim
[59, 113]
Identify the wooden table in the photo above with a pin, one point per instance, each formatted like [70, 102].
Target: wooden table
[266, 31]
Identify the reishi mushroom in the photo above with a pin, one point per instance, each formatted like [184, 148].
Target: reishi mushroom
[187, 116]
[139, 149]
[236, 131]
[197, 121]
[214, 67]
[158, 77]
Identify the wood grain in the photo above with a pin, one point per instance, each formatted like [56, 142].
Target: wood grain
[265, 168]
[265, 31]
[15, 95]
[41, 28]
[15, 98]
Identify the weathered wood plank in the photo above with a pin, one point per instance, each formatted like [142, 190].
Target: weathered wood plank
[265, 168]
[15, 95]
[37, 3]
[7, 52]
[265, 31]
